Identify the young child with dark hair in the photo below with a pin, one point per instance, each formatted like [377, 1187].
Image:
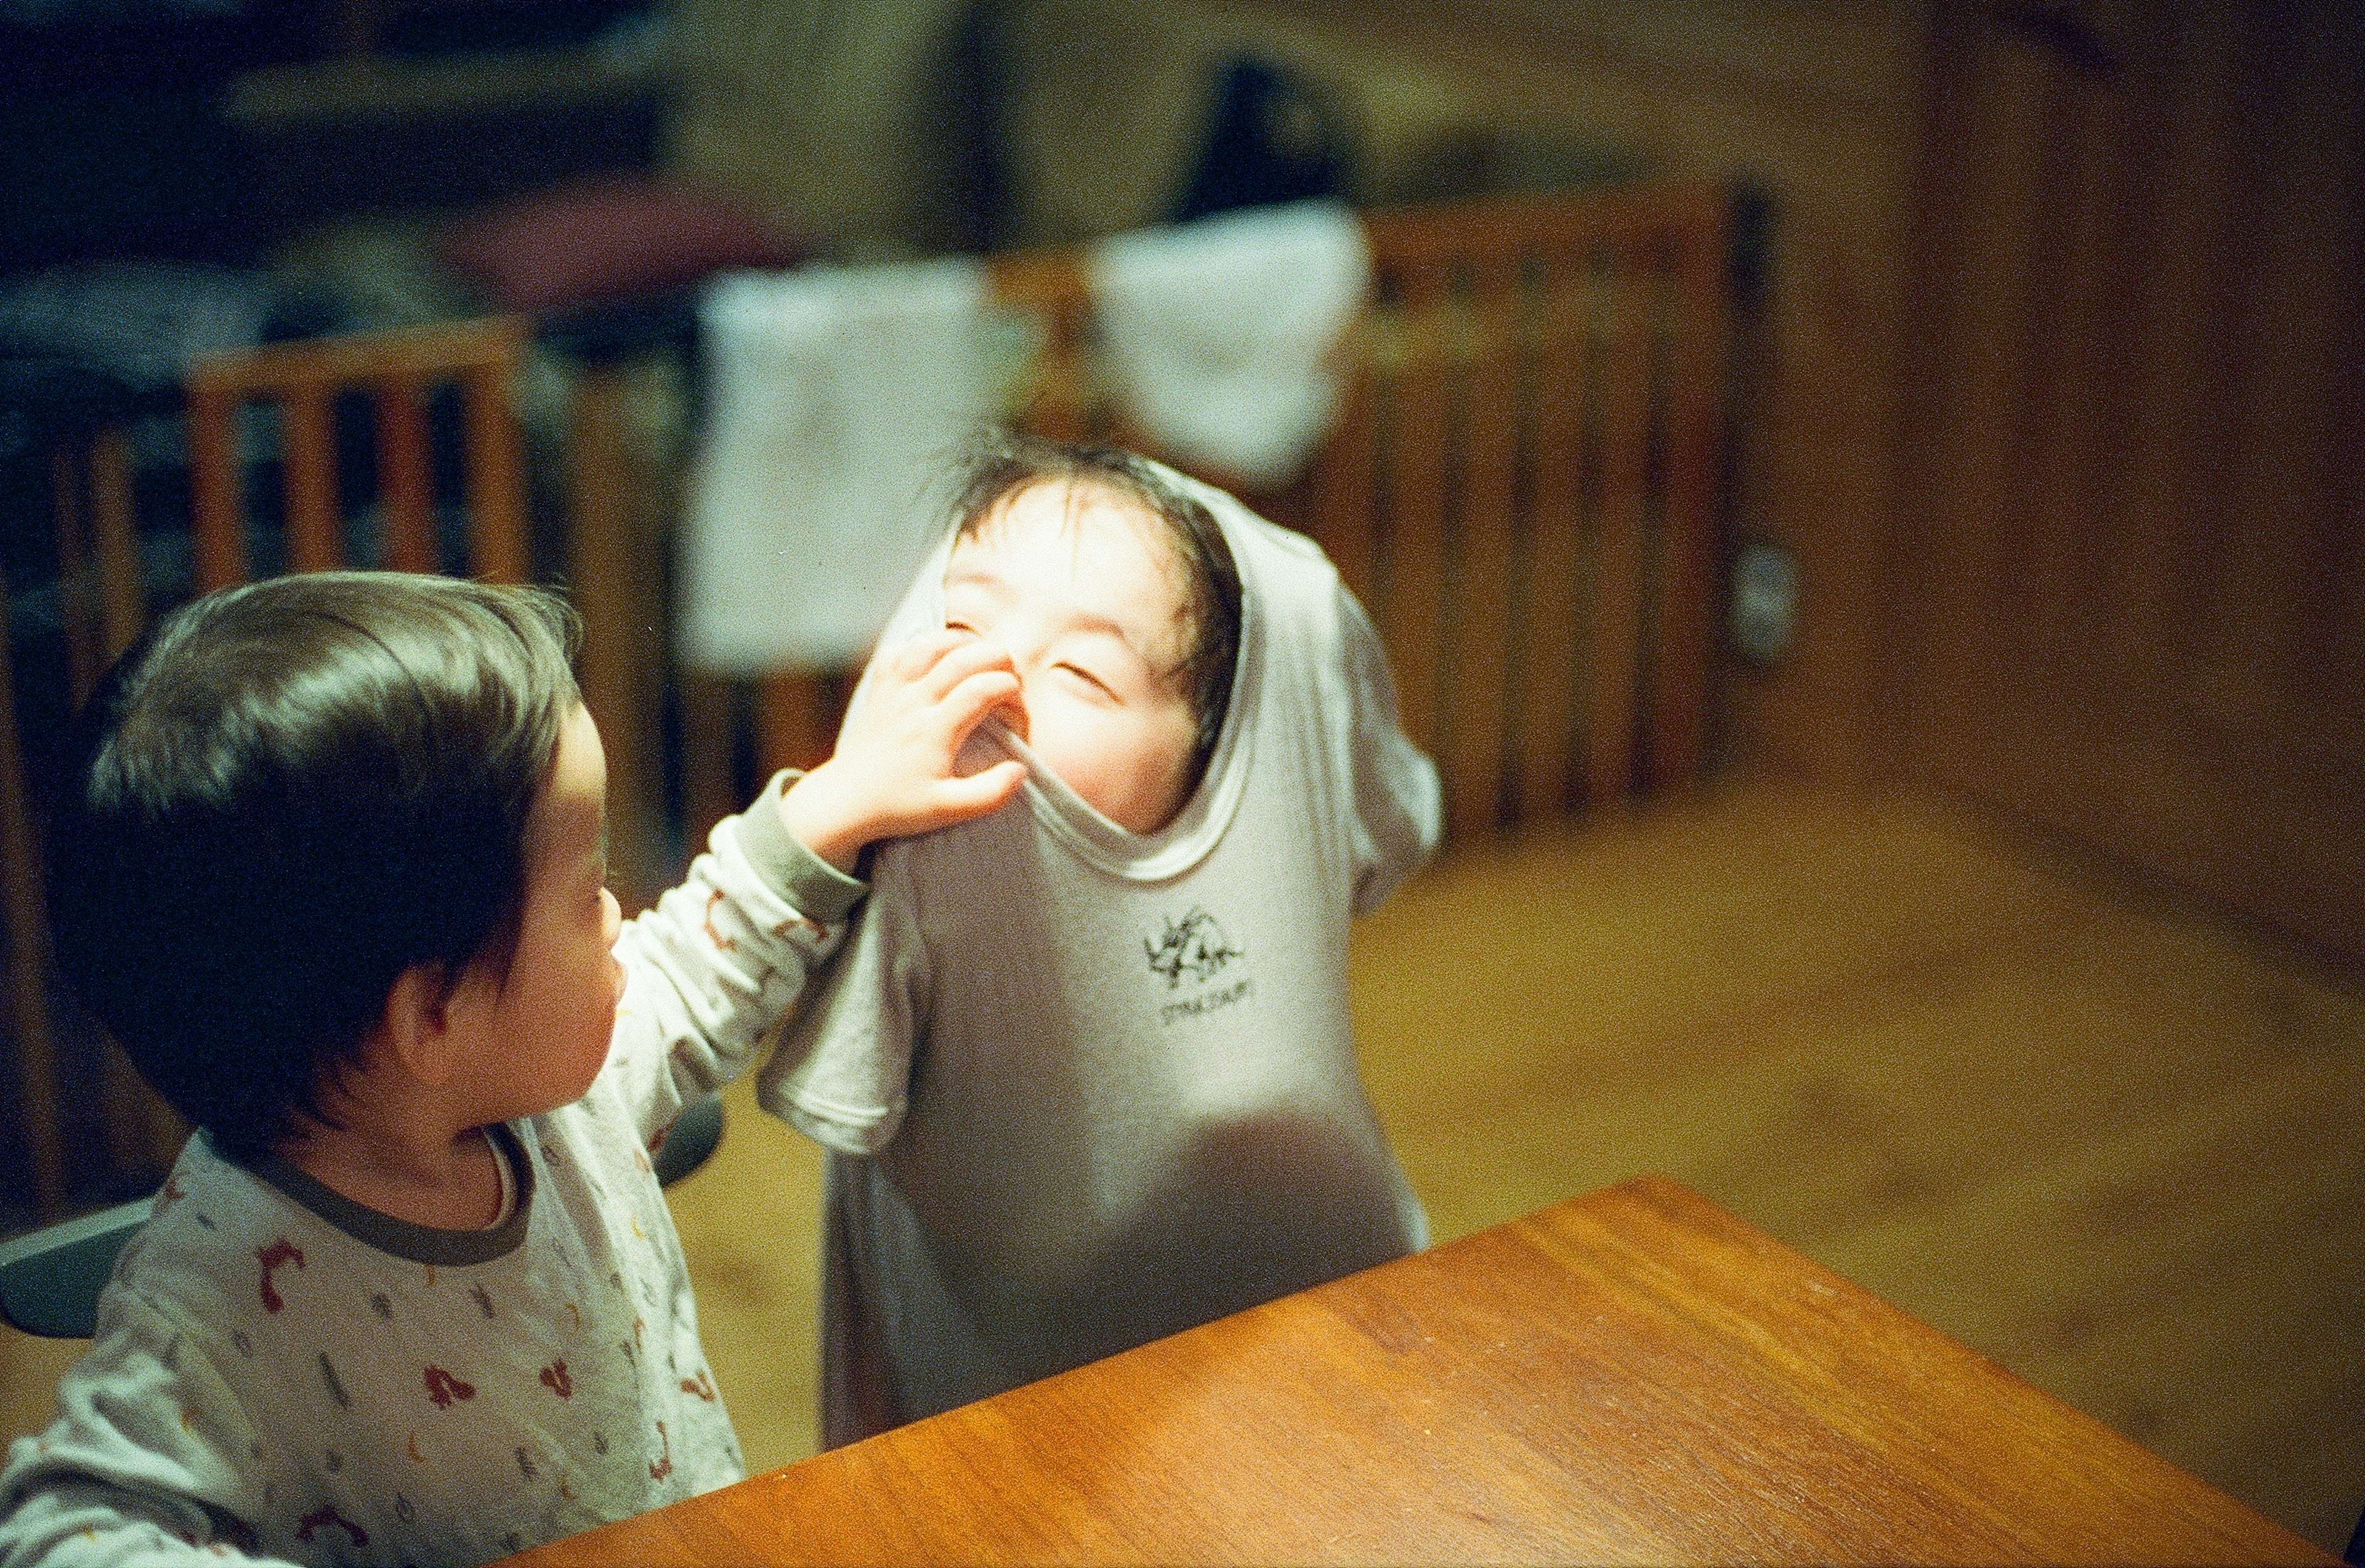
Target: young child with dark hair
[1085, 1065]
[331, 868]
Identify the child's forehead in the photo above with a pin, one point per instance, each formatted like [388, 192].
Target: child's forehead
[569, 810]
[1071, 509]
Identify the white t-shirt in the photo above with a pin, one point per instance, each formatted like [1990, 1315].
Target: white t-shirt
[1087, 1088]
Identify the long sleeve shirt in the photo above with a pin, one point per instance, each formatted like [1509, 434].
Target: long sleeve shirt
[279, 1372]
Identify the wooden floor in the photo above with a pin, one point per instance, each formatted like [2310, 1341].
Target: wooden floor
[2097, 1134]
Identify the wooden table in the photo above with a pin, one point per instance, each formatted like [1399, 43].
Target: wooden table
[1635, 1376]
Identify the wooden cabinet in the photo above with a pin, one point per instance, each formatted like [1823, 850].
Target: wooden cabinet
[2130, 591]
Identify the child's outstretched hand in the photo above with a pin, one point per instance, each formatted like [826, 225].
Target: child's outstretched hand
[896, 767]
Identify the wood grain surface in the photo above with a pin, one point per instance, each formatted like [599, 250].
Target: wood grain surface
[1635, 1376]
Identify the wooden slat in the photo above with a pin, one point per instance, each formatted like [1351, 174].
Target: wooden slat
[216, 483]
[1061, 402]
[614, 592]
[1492, 227]
[1546, 766]
[359, 358]
[709, 729]
[1692, 418]
[496, 504]
[1341, 485]
[1411, 610]
[75, 619]
[797, 713]
[308, 457]
[1472, 763]
[406, 482]
[2308, 237]
[1622, 347]
[398, 366]
[36, 1045]
[114, 544]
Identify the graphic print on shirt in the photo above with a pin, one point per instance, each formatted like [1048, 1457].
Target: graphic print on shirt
[1203, 971]
[663, 1466]
[273, 1258]
[444, 1388]
[323, 1518]
[722, 943]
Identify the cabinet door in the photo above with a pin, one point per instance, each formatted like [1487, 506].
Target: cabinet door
[2131, 588]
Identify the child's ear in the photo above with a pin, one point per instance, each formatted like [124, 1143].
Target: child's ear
[416, 1029]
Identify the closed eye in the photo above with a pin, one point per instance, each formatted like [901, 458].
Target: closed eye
[1080, 673]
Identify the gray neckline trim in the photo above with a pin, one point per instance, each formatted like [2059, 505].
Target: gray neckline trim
[415, 1243]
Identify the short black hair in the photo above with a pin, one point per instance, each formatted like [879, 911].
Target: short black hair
[282, 796]
[1002, 463]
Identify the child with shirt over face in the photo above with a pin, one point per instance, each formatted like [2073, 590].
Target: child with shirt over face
[331, 869]
[1084, 1065]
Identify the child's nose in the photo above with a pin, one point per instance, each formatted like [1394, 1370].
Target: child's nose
[612, 916]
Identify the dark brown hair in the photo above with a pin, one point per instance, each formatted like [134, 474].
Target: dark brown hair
[283, 798]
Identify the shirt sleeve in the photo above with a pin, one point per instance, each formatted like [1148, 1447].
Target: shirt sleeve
[1398, 808]
[841, 1072]
[145, 1463]
[713, 964]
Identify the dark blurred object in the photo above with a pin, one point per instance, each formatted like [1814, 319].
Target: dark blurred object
[1274, 138]
[611, 238]
[212, 130]
[128, 331]
[92, 362]
[116, 172]
[52, 46]
[472, 136]
[1490, 161]
[454, 27]
[47, 45]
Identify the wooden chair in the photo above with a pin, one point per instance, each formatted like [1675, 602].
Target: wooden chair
[101, 605]
[100, 594]
[35, 1039]
[1522, 489]
[397, 370]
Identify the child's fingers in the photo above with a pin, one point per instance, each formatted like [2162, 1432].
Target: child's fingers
[910, 658]
[976, 695]
[981, 792]
[965, 656]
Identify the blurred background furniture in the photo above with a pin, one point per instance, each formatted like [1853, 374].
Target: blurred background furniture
[302, 385]
[1522, 487]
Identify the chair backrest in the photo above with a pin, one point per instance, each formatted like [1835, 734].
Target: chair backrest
[49, 1280]
[28, 927]
[397, 370]
[102, 608]
[1521, 489]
